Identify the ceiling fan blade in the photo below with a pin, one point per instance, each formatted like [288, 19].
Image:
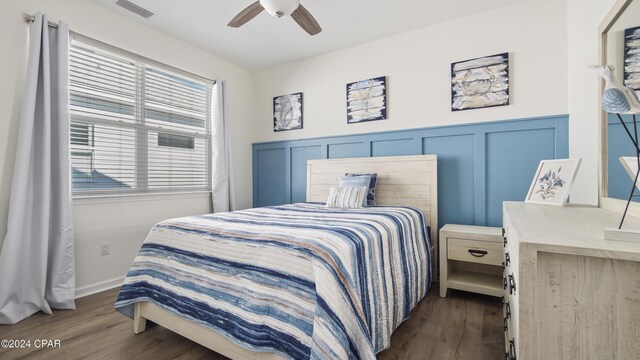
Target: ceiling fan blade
[247, 14]
[306, 21]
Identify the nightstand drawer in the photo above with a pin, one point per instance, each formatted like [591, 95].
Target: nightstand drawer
[482, 252]
[471, 259]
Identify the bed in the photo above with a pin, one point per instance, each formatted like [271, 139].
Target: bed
[295, 281]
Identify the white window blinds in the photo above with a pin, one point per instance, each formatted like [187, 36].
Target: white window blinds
[135, 126]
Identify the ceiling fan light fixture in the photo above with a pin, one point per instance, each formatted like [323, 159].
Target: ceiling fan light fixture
[280, 8]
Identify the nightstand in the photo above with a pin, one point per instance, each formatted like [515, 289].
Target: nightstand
[471, 259]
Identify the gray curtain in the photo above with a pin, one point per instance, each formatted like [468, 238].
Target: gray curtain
[221, 173]
[37, 269]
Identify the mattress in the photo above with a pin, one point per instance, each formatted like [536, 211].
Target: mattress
[301, 280]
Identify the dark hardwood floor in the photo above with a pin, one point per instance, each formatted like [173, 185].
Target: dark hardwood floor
[461, 326]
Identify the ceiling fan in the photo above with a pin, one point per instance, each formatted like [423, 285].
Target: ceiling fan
[279, 8]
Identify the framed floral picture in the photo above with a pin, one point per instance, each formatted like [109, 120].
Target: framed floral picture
[552, 181]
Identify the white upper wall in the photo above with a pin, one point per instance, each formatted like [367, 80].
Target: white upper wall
[124, 224]
[583, 19]
[417, 64]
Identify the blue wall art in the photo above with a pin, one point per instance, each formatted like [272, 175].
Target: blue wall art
[632, 58]
[480, 83]
[367, 100]
[287, 112]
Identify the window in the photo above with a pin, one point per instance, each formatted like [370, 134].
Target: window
[136, 127]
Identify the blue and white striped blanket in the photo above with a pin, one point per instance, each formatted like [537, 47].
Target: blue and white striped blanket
[300, 280]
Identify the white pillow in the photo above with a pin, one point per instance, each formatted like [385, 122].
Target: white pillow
[356, 181]
[347, 197]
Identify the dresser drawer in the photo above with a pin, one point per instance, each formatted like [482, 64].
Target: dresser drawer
[482, 252]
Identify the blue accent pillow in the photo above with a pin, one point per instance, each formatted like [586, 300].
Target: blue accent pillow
[371, 195]
[357, 181]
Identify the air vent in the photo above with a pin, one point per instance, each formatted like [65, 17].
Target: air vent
[134, 8]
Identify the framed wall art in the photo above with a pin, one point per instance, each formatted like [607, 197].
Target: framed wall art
[480, 83]
[287, 112]
[552, 182]
[632, 58]
[367, 100]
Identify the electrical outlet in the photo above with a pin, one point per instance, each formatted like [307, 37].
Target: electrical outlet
[105, 248]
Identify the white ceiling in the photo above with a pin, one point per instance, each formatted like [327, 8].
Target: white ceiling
[266, 41]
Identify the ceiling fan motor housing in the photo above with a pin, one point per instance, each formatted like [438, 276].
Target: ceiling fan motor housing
[280, 8]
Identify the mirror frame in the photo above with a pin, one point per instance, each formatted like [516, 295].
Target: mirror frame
[606, 202]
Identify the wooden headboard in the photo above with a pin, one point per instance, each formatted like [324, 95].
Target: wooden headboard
[402, 180]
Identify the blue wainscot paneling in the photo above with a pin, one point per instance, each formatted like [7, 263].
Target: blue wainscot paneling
[270, 166]
[299, 157]
[479, 165]
[619, 144]
[455, 176]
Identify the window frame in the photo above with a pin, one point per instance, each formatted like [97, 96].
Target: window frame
[142, 130]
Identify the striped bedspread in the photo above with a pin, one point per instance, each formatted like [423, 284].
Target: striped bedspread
[301, 280]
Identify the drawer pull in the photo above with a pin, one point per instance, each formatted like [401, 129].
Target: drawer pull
[512, 284]
[506, 325]
[507, 259]
[504, 237]
[505, 282]
[507, 310]
[477, 253]
[512, 350]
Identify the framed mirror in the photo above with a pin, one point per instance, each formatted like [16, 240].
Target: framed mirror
[620, 47]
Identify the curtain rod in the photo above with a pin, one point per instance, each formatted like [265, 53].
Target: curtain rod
[31, 18]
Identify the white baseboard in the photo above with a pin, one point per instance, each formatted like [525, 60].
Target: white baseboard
[99, 287]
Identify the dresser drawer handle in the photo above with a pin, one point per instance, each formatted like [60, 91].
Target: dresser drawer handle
[504, 237]
[506, 325]
[507, 310]
[512, 284]
[505, 282]
[477, 253]
[512, 350]
[507, 259]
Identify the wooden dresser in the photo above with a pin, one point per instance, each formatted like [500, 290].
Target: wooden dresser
[569, 293]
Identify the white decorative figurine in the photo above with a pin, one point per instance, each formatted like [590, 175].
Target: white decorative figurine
[619, 99]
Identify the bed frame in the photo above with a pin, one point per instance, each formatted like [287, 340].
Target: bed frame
[402, 180]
